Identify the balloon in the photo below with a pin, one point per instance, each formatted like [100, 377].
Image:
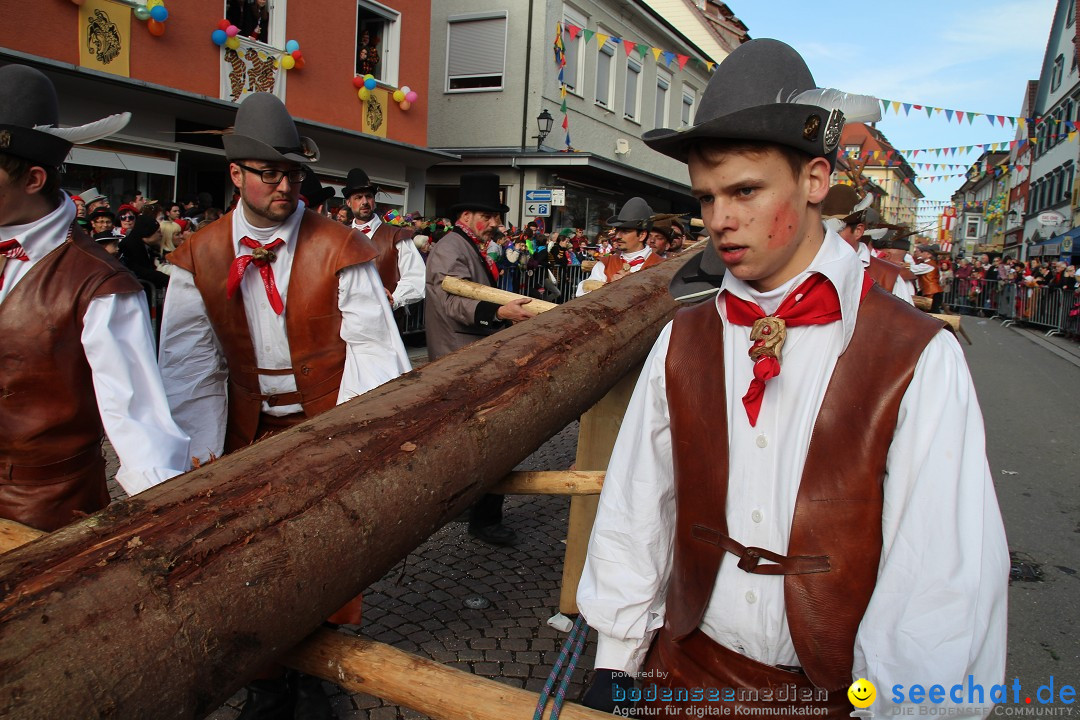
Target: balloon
[142, 13]
[287, 63]
[219, 37]
[154, 3]
[412, 96]
[369, 76]
[159, 13]
[370, 83]
[358, 82]
[398, 96]
[405, 104]
[300, 64]
[223, 24]
[297, 55]
[232, 43]
[292, 46]
[363, 93]
[232, 31]
[406, 89]
[156, 29]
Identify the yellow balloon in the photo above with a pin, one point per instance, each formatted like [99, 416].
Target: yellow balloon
[232, 43]
[154, 3]
[287, 62]
[363, 94]
[398, 96]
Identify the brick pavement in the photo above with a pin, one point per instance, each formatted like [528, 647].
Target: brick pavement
[419, 605]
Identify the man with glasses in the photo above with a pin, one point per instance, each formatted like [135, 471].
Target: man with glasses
[245, 353]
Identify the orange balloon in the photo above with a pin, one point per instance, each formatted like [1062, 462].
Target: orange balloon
[157, 29]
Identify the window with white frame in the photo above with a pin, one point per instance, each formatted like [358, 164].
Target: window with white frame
[263, 23]
[1058, 72]
[573, 72]
[689, 99]
[605, 74]
[663, 88]
[378, 41]
[475, 52]
[972, 231]
[632, 109]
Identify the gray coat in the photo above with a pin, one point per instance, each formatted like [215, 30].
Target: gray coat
[450, 320]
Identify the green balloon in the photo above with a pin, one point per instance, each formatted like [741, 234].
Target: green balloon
[142, 12]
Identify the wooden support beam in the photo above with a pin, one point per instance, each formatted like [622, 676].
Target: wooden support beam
[596, 437]
[442, 693]
[164, 604]
[560, 482]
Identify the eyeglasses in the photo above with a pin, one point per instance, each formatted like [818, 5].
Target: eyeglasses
[127, 217]
[273, 176]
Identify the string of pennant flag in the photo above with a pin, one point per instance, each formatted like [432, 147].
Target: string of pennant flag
[631, 47]
[898, 106]
[560, 62]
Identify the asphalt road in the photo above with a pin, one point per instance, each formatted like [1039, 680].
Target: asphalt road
[1030, 397]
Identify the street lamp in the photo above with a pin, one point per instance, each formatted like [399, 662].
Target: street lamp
[543, 125]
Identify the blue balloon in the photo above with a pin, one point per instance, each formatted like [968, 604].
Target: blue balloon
[159, 13]
[370, 83]
[219, 37]
[292, 46]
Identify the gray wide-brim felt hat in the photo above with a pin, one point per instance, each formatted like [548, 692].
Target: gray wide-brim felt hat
[699, 278]
[30, 115]
[478, 191]
[265, 131]
[635, 214]
[763, 91]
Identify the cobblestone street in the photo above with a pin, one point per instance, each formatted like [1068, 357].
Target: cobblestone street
[419, 606]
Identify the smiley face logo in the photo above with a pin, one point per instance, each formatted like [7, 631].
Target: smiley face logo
[862, 693]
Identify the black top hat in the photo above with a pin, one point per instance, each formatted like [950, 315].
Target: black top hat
[264, 131]
[356, 181]
[699, 278]
[479, 191]
[313, 192]
[763, 91]
[635, 214]
[29, 114]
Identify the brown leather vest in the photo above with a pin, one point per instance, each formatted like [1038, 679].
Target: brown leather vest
[51, 467]
[883, 272]
[385, 238]
[613, 264]
[837, 517]
[323, 248]
[930, 283]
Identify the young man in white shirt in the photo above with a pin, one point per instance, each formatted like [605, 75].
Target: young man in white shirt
[632, 226]
[839, 522]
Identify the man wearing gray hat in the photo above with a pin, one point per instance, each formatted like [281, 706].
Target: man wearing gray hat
[632, 226]
[799, 495]
[246, 352]
[78, 359]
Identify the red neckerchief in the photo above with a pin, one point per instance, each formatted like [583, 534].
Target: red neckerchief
[11, 250]
[482, 247]
[814, 302]
[261, 256]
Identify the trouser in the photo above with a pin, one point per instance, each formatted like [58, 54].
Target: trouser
[935, 302]
[486, 511]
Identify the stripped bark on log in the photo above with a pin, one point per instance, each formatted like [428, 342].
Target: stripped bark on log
[164, 604]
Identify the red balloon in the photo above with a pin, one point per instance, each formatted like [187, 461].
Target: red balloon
[299, 64]
[223, 24]
[157, 29]
[297, 55]
[358, 82]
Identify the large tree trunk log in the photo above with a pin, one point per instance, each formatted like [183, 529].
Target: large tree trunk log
[164, 604]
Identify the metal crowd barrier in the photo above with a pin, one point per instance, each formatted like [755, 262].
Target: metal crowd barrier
[410, 318]
[1055, 309]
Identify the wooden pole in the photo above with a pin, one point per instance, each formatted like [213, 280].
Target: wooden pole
[443, 693]
[164, 604]
[559, 482]
[476, 291]
[596, 437]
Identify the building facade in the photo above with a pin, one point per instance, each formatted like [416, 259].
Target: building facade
[626, 69]
[182, 88]
[885, 168]
[980, 204]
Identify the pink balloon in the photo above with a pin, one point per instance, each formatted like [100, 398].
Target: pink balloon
[232, 31]
[411, 96]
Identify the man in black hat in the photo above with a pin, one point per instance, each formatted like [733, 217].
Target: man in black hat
[746, 552]
[632, 226]
[400, 265]
[245, 352]
[850, 217]
[452, 322]
[78, 357]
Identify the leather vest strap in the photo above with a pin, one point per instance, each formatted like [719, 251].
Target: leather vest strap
[750, 557]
